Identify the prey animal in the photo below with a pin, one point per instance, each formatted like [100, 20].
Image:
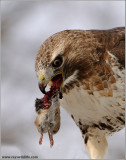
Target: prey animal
[90, 67]
[48, 118]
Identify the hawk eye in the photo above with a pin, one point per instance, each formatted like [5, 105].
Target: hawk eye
[57, 62]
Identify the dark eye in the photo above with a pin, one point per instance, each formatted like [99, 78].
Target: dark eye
[57, 62]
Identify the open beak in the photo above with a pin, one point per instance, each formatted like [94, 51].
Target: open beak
[55, 82]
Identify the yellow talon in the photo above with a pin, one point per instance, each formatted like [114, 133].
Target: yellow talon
[41, 78]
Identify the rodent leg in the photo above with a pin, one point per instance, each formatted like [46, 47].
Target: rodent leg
[40, 140]
[51, 139]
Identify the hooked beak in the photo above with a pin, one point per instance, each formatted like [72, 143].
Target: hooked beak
[42, 87]
[57, 79]
[42, 83]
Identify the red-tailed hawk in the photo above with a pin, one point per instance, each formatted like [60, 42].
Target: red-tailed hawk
[88, 68]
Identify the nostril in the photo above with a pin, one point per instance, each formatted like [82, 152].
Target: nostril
[41, 78]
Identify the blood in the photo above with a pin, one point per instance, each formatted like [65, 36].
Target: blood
[45, 102]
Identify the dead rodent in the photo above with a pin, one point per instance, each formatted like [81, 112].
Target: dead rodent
[48, 120]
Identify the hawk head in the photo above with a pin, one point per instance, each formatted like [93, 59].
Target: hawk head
[66, 59]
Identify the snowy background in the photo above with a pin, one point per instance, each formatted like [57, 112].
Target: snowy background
[25, 25]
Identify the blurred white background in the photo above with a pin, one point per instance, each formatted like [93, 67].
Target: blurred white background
[25, 25]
